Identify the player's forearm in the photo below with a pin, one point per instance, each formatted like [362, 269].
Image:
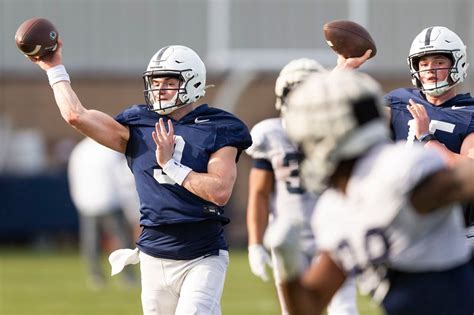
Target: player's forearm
[444, 188]
[210, 187]
[69, 105]
[462, 188]
[450, 157]
[257, 217]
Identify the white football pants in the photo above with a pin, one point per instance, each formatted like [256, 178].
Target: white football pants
[344, 301]
[178, 287]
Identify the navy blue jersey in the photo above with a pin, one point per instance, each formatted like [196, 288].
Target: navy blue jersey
[450, 122]
[165, 206]
[440, 292]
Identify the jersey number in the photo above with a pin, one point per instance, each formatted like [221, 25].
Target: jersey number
[293, 182]
[371, 273]
[434, 125]
[158, 173]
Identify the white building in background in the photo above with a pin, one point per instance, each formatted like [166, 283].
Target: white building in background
[120, 36]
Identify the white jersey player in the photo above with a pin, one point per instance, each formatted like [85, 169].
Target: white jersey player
[272, 151]
[390, 215]
[358, 233]
[275, 187]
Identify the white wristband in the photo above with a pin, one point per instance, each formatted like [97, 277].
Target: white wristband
[176, 171]
[57, 74]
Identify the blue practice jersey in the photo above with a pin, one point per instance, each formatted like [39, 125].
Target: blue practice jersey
[450, 122]
[178, 224]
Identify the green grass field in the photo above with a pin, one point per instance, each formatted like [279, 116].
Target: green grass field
[51, 283]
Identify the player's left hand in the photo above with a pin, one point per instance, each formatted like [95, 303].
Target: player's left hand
[259, 259]
[421, 118]
[164, 140]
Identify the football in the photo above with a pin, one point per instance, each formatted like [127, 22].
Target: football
[349, 39]
[36, 37]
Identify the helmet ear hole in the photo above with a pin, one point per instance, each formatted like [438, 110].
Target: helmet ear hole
[415, 63]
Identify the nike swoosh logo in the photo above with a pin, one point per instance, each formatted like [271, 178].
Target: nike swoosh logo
[200, 121]
[457, 107]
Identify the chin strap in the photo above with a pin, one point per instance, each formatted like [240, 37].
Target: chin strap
[166, 107]
[436, 89]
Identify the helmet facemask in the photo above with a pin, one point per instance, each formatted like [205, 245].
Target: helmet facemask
[152, 93]
[438, 87]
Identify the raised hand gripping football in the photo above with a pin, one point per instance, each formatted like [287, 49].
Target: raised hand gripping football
[349, 39]
[37, 38]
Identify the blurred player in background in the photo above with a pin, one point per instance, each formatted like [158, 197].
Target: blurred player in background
[434, 113]
[389, 216]
[274, 180]
[183, 157]
[96, 179]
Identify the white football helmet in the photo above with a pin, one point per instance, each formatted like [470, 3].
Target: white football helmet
[334, 116]
[438, 40]
[295, 72]
[182, 63]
